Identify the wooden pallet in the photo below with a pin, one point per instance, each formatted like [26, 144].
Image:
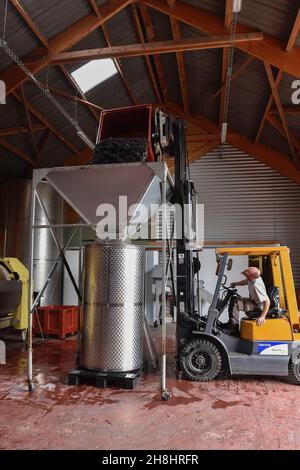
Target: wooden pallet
[126, 380]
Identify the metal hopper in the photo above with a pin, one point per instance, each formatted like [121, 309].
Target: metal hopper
[86, 187]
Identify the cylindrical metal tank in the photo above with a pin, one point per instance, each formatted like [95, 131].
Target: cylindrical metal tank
[113, 307]
[16, 211]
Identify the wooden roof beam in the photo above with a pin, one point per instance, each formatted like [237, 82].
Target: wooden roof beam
[268, 107]
[29, 122]
[228, 13]
[294, 33]
[273, 158]
[43, 140]
[86, 103]
[53, 129]
[234, 76]
[18, 152]
[151, 48]
[32, 26]
[171, 3]
[78, 90]
[279, 107]
[195, 153]
[117, 62]
[13, 76]
[20, 129]
[278, 125]
[175, 25]
[140, 34]
[150, 35]
[292, 109]
[271, 49]
[46, 44]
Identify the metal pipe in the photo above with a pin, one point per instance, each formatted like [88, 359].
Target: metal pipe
[164, 392]
[6, 224]
[79, 298]
[198, 290]
[30, 297]
[64, 225]
[150, 344]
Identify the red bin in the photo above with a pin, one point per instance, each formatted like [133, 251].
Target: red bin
[56, 320]
[133, 121]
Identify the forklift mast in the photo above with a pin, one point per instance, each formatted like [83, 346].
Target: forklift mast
[184, 193]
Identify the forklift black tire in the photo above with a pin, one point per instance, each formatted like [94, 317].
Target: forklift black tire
[201, 360]
[294, 371]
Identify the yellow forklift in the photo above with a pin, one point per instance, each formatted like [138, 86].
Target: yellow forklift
[272, 349]
[14, 291]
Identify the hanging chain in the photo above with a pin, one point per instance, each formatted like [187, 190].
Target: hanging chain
[44, 89]
[230, 65]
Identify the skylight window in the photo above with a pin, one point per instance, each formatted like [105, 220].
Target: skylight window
[93, 73]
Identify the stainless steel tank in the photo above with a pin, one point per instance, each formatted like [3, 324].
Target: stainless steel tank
[113, 307]
[16, 210]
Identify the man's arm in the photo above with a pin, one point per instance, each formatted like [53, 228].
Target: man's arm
[244, 282]
[261, 320]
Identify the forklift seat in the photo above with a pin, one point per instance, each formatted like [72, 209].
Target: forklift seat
[274, 311]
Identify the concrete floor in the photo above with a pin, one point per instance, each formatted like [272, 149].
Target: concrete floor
[233, 413]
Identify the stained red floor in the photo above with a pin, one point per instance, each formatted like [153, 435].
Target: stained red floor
[236, 413]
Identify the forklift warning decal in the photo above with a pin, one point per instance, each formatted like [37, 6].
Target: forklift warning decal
[273, 348]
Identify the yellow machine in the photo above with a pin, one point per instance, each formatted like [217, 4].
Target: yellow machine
[14, 291]
[270, 349]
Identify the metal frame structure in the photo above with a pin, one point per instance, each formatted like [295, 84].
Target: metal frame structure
[160, 172]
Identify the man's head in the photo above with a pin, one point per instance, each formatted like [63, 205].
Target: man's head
[251, 273]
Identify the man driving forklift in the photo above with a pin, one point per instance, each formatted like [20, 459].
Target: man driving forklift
[258, 300]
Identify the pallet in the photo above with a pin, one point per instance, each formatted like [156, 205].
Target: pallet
[126, 380]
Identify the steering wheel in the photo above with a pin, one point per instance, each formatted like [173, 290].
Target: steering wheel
[233, 290]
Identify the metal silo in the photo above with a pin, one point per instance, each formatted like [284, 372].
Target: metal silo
[16, 209]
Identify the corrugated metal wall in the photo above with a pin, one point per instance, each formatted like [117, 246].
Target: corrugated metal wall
[246, 200]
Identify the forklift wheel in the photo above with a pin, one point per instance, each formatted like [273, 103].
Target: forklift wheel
[294, 369]
[201, 360]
